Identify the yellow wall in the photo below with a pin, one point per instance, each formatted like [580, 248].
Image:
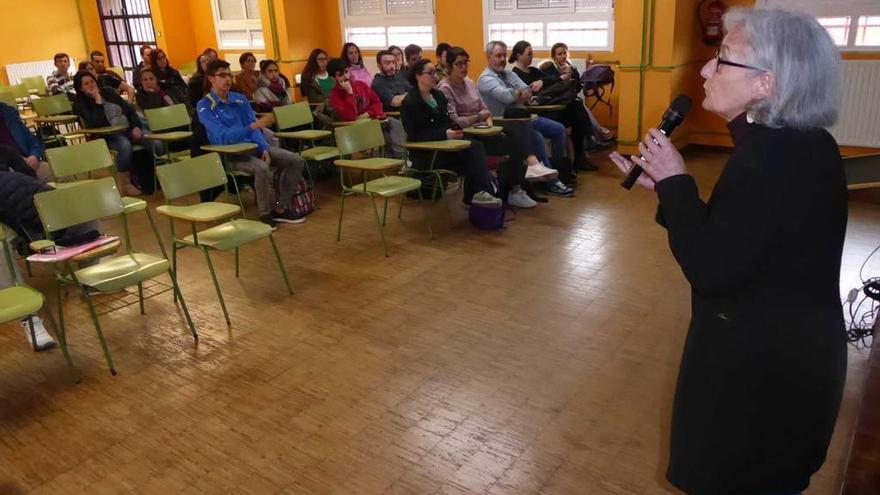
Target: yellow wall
[174, 31]
[59, 31]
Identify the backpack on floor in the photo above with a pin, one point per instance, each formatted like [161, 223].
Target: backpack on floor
[303, 201]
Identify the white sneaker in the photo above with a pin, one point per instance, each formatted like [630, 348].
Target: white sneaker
[520, 199]
[540, 173]
[43, 339]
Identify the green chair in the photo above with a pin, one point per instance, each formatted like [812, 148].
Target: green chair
[118, 70]
[232, 149]
[185, 178]
[7, 97]
[71, 161]
[162, 119]
[187, 69]
[20, 301]
[34, 84]
[56, 111]
[95, 200]
[298, 115]
[431, 176]
[363, 137]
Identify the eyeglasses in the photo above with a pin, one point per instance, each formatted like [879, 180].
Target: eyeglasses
[462, 63]
[720, 61]
[429, 72]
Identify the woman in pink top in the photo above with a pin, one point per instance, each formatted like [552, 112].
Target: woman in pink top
[356, 70]
[466, 108]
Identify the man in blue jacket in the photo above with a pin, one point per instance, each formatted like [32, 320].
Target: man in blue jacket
[229, 119]
[18, 144]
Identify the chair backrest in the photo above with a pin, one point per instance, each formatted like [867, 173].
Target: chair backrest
[7, 235]
[6, 96]
[78, 203]
[35, 82]
[118, 70]
[20, 91]
[360, 136]
[186, 177]
[288, 116]
[188, 68]
[159, 119]
[52, 105]
[79, 158]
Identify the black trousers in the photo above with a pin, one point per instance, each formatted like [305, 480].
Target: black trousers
[575, 116]
[469, 163]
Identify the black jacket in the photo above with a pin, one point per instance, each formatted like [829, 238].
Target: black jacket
[147, 100]
[93, 114]
[387, 87]
[171, 78]
[423, 123]
[17, 203]
[764, 364]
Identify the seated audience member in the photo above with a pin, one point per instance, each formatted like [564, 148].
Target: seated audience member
[247, 81]
[108, 78]
[61, 80]
[152, 95]
[412, 54]
[316, 83]
[273, 92]
[501, 90]
[211, 53]
[197, 87]
[560, 66]
[440, 66]
[168, 76]
[351, 54]
[574, 115]
[146, 51]
[353, 100]
[426, 118]
[390, 84]
[399, 62]
[102, 107]
[20, 150]
[467, 109]
[229, 119]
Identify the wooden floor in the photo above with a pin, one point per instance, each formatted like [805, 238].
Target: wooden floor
[540, 359]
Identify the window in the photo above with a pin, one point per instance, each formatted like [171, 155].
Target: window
[580, 24]
[380, 23]
[854, 25]
[127, 25]
[238, 24]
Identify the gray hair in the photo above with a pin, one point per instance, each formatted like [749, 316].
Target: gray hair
[490, 47]
[804, 61]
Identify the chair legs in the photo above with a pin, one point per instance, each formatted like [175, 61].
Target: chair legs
[217, 286]
[97, 324]
[341, 210]
[62, 342]
[238, 195]
[179, 295]
[380, 224]
[280, 265]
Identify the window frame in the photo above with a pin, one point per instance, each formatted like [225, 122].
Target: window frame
[854, 9]
[386, 21]
[247, 25]
[546, 16]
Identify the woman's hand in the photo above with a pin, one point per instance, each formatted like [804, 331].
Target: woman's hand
[536, 86]
[484, 115]
[137, 134]
[659, 157]
[625, 165]
[454, 134]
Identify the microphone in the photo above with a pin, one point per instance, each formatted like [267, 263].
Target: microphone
[673, 116]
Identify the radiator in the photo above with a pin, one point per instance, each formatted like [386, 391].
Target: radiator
[859, 121]
[15, 72]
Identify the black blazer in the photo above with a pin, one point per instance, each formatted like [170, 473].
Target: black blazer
[93, 114]
[764, 363]
[423, 123]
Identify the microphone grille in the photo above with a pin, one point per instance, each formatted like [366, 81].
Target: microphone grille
[681, 105]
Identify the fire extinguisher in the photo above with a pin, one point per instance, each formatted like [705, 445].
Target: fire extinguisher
[709, 12]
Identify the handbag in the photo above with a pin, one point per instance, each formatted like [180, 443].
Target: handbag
[558, 93]
[303, 201]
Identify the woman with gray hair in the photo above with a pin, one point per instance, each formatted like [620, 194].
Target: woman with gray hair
[764, 364]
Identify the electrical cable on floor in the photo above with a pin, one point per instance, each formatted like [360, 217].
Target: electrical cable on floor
[861, 325]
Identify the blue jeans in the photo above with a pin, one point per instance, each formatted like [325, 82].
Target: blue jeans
[121, 144]
[552, 130]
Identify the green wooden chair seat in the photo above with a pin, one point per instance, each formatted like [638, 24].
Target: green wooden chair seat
[388, 186]
[231, 235]
[307, 135]
[19, 301]
[320, 153]
[169, 136]
[376, 163]
[201, 212]
[118, 272]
